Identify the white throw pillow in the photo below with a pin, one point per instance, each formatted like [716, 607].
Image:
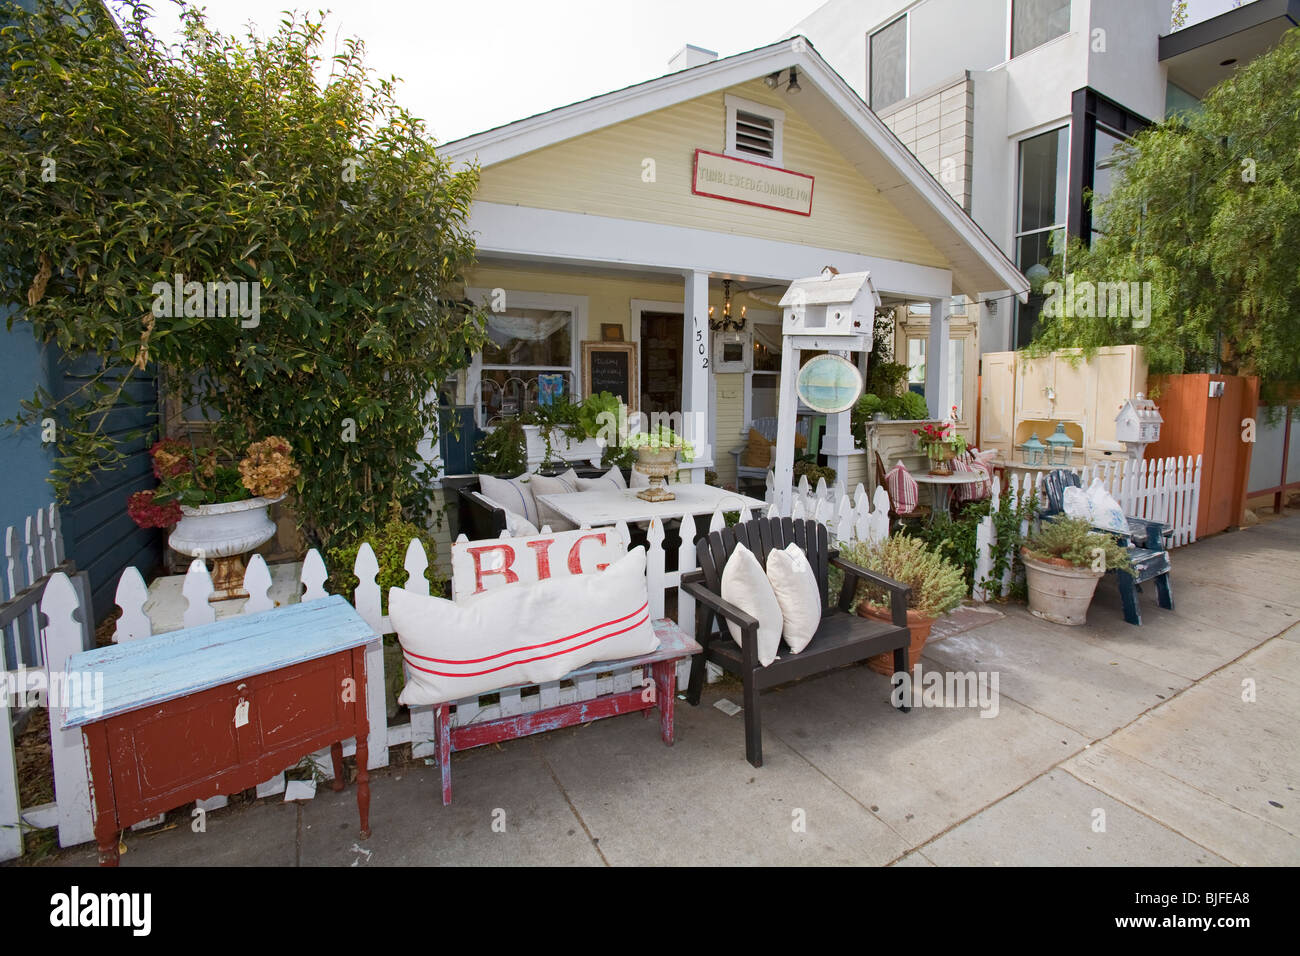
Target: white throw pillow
[745, 584]
[521, 633]
[795, 585]
[611, 480]
[565, 484]
[517, 526]
[513, 494]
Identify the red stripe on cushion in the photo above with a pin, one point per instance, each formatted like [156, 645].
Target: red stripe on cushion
[530, 647]
[540, 657]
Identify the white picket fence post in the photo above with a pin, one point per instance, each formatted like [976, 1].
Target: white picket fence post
[62, 639]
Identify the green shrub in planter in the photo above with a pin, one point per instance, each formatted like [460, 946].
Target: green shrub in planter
[1074, 540]
[938, 586]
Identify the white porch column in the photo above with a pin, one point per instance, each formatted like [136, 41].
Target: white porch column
[787, 407]
[936, 360]
[696, 371]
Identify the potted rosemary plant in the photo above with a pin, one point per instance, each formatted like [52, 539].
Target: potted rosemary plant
[1064, 559]
[938, 586]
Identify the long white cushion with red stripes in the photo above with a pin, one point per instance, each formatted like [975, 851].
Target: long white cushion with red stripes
[903, 490]
[522, 634]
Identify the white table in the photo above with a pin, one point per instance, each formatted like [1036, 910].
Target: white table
[943, 484]
[596, 508]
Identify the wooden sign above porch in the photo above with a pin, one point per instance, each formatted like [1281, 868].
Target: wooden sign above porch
[752, 184]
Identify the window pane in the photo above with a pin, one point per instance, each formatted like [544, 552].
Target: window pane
[767, 348]
[506, 392]
[1033, 253]
[1044, 179]
[957, 373]
[889, 64]
[764, 392]
[916, 361]
[1034, 22]
[1103, 172]
[528, 337]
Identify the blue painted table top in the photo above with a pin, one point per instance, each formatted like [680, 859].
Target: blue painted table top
[167, 666]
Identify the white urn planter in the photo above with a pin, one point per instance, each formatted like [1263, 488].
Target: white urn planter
[224, 532]
[1059, 593]
[562, 447]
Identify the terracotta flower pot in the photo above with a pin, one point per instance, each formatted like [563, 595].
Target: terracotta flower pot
[1059, 591]
[918, 624]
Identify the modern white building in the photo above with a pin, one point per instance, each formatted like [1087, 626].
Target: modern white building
[1015, 106]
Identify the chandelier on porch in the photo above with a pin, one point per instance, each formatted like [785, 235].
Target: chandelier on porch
[726, 323]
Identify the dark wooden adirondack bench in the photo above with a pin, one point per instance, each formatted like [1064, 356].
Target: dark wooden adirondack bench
[1144, 541]
[842, 638]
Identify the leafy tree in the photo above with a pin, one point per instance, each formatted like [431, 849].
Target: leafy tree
[126, 162]
[1207, 210]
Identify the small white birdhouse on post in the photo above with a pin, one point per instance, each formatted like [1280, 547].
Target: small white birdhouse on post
[1138, 425]
[832, 313]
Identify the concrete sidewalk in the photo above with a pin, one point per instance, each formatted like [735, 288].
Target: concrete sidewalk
[1112, 744]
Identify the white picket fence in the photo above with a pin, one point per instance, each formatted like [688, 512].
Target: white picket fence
[62, 637]
[1166, 490]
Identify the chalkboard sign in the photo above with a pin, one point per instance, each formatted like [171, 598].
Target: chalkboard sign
[610, 367]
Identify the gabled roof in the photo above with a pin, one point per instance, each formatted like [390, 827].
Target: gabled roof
[827, 101]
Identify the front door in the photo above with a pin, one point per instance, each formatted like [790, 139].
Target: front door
[661, 362]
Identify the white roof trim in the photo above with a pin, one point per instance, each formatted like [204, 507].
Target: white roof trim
[546, 129]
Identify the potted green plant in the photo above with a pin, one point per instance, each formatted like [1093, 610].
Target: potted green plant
[656, 457]
[941, 443]
[938, 585]
[1064, 559]
[560, 426]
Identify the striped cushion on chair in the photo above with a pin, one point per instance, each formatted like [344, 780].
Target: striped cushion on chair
[903, 489]
[962, 465]
[976, 462]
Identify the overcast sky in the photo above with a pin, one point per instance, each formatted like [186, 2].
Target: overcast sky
[469, 65]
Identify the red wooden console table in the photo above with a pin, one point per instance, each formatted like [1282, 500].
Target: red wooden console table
[220, 708]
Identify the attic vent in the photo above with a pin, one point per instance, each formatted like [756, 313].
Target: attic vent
[754, 130]
[755, 134]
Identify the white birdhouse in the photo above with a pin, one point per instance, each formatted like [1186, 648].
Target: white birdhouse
[830, 304]
[1138, 424]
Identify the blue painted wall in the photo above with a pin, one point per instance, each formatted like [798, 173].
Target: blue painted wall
[24, 462]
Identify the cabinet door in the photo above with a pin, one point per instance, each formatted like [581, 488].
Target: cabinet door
[1113, 385]
[1033, 382]
[997, 402]
[1070, 385]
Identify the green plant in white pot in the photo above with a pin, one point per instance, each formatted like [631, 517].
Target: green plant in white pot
[1064, 559]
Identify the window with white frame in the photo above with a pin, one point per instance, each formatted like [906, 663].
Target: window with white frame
[765, 381]
[754, 131]
[1034, 22]
[887, 69]
[530, 350]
